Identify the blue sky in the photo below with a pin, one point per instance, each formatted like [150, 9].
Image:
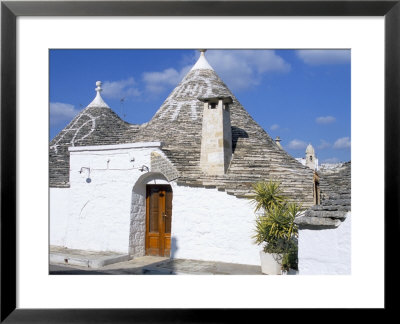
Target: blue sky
[302, 96]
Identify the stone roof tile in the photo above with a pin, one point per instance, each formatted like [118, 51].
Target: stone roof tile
[335, 186]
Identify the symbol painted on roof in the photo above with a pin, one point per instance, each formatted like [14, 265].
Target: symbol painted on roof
[186, 95]
[72, 129]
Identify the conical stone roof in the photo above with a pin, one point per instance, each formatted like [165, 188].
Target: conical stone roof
[178, 124]
[97, 124]
[335, 186]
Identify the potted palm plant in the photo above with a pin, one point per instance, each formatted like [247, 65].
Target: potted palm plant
[275, 229]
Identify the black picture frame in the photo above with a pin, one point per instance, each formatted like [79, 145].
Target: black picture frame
[10, 10]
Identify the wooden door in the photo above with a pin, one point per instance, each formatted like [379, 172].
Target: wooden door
[158, 219]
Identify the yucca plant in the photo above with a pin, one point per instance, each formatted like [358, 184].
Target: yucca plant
[275, 227]
[272, 224]
[266, 195]
[293, 210]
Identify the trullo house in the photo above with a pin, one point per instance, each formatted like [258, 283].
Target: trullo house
[175, 186]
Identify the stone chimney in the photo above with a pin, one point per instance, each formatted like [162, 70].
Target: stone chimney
[216, 137]
[278, 142]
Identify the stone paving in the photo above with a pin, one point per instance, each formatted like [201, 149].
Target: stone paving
[136, 266]
[182, 266]
[148, 265]
[89, 259]
[81, 253]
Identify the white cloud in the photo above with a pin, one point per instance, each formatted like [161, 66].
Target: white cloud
[319, 57]
[323, 144]
[341, 143]
[61, 112]
[325, 120]
[169, 76]
[297, 144]
[242, 69]
[331, 160]
[274, 127]
[157, 82]
[120, 89]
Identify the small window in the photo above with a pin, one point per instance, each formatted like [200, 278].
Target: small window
[310, 158]
[213, 105]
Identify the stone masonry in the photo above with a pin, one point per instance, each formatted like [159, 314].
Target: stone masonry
[216, 136]
[162, 165]
[335, 186]
[255, 156]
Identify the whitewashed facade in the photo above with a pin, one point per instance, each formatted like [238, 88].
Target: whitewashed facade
[104, 209]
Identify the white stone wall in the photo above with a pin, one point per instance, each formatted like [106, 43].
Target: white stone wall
[101, 210]
[208, 224]
[108, 212]
[326, 251]
[59, 209]
[315, 165]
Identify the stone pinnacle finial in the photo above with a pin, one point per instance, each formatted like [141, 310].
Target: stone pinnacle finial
[98, 101]
[98, 86]
[202, 63]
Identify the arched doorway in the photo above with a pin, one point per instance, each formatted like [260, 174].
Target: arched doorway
[139, 239]
[158, 219]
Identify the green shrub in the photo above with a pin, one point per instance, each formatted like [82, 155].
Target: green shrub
[267, 195]
[290, 258]
[275, 227]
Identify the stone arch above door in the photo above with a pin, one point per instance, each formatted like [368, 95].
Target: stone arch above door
[137, 229]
